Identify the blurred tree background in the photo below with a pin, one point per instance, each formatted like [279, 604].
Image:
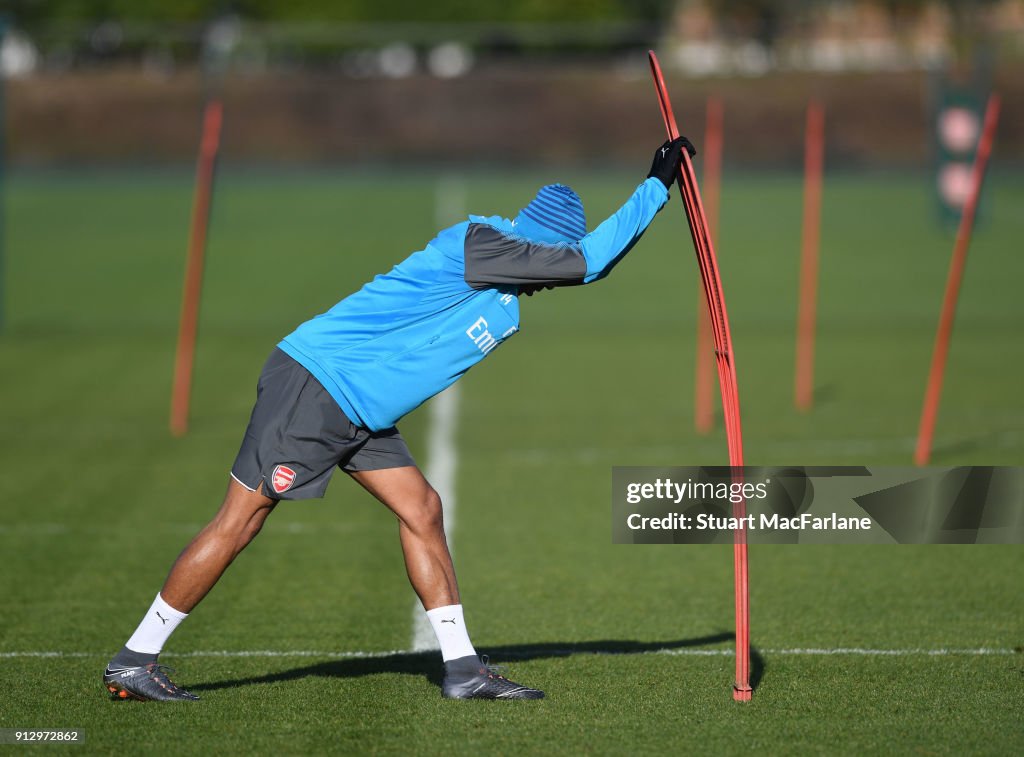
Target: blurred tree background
[31, 13]
[93, 81]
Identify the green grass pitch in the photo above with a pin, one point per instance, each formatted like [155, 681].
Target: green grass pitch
[632, 644]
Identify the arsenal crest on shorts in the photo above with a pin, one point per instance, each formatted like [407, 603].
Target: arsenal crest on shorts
[282, 479]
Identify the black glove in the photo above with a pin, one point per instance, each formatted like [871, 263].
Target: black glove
[666, 160]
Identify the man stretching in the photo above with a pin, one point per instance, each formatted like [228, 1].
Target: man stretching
[332, 391]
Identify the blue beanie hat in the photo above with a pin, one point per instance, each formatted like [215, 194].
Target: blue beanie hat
[554, 215]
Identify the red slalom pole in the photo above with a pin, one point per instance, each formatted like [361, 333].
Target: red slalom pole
[956, 270]
[704, 370]
[708, 264]
[188, 325]
[814, 159]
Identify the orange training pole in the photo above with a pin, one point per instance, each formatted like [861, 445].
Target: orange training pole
[188, 326]
[956, 269]
[724, 358]
[704, 367]
[814, 158]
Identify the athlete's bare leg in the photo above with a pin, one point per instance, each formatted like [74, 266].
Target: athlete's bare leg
[421, 528]
[208, 555]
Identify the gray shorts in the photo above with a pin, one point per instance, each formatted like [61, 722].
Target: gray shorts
[297, 435]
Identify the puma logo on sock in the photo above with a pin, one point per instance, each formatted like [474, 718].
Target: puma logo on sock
[162, 618]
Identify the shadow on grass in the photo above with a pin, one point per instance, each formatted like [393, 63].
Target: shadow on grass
[428, 665]
[942, 454]
[756, 668]
[826, 394]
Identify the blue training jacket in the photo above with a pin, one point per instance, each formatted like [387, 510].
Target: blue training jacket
[410, 333]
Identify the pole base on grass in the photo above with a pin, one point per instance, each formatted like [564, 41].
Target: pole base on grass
[742, 694]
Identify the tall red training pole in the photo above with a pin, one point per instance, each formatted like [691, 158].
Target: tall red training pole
[698, 223]
[704, 369]
[188, 326]
[807, 315]
[956, 270]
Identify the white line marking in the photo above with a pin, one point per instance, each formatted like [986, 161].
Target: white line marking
[449, 201]
[528, 652]
[34, 529]
[442, 457]
[780, 448]
[442, 460]
[59, 529]
[224, 653]
[848, 651]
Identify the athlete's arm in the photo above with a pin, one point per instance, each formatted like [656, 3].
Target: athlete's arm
[496, 258]
[606, 245]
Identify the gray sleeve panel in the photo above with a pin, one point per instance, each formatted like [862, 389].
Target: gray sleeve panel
[494, 258]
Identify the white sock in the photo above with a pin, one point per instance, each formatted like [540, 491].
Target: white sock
[156, 627]
[450, 629]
